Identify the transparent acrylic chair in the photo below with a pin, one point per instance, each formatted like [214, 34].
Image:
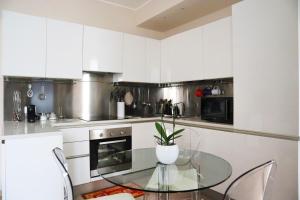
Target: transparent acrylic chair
[188, 144]
[254, 184]
[68, 186]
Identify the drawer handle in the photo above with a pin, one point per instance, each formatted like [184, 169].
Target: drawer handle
[79, 156]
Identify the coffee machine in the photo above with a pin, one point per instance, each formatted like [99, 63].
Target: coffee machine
[31, 113]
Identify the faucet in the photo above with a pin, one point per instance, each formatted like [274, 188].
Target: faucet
[176, 111]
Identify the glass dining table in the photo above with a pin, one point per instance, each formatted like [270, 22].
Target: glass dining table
[193, 171]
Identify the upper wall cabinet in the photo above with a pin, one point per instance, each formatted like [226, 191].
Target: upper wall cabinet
[23, 45]
[64, 50]
[217, 49]
[182, 57]
[134, 59]
[141, 60]
[153, 54]
[102, 50]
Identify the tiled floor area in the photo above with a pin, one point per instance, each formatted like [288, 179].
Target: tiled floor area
[204, 195]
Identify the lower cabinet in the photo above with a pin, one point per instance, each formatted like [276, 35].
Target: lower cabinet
[79, 170]
[76, 150]
[29, 169]
[142, 135]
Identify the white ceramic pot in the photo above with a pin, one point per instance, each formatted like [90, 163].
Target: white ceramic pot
[167, 154]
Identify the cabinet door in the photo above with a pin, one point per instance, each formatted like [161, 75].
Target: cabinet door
[29, 167]
[142, 135]
[217, 49]
[64, 50]
[153, 60]
[266, 66]
[102, 50]
[182, 57]
[79, 170]
[23, 45]
[134, 61]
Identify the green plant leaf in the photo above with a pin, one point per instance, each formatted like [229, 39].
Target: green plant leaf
[175, 138]
[174, 134]
[159, 141]
[161, 131]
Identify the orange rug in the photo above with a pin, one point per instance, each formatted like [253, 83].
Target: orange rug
[113, 190]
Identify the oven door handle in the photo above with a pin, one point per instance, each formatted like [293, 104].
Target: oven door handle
[113, 142]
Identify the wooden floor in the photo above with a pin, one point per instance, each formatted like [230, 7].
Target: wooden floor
[98, 185]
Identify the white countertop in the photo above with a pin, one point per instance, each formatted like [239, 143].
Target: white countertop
[16, 129]
[22, 129]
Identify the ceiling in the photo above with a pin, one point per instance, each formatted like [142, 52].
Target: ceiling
[184, 12]
[165, 15]
[130, 4]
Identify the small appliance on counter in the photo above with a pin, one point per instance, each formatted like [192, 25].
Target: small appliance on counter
[217, 109]
[31, 113]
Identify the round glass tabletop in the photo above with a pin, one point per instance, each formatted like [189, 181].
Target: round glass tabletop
[193, 170]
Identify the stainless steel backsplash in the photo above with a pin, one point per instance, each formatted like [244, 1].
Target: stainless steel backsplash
[92, 95]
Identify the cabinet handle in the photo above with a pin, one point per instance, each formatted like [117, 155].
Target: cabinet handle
[79, 156]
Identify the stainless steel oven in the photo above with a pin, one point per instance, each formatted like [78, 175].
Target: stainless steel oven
[104, 144]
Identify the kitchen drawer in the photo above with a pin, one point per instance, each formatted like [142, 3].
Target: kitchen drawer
[75, 134]
[79, 170]
[76, 148]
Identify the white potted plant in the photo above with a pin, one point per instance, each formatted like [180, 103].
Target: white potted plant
[167, 150]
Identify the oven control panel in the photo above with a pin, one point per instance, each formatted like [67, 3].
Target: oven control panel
[97, 134]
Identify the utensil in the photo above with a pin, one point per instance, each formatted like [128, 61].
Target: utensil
[134, 97]
[216, 90]
[29, 91]
[128, 98]
[52, 116]
[42, 95]
[43, 117]
[17, 110]
[60, 112]
[207, 91]
[198, 92]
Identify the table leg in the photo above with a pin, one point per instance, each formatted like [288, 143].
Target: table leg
[197, 195]
[163, 196]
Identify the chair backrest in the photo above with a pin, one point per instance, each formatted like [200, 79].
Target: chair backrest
[62, 164]
[253, 184]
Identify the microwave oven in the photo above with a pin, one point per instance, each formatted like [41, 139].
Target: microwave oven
[217, 109]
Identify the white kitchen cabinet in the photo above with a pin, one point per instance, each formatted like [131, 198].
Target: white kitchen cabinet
[142, 135]
[77, 150]
[244, 152]
[75, 134]
[217, 49]
[182, 57]
[265, 60]
[79, 170]
[72, 149]
[102, 50]
[64, 50]
[153, 54]
[134, 59]
[29, 167]
[23, 45]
